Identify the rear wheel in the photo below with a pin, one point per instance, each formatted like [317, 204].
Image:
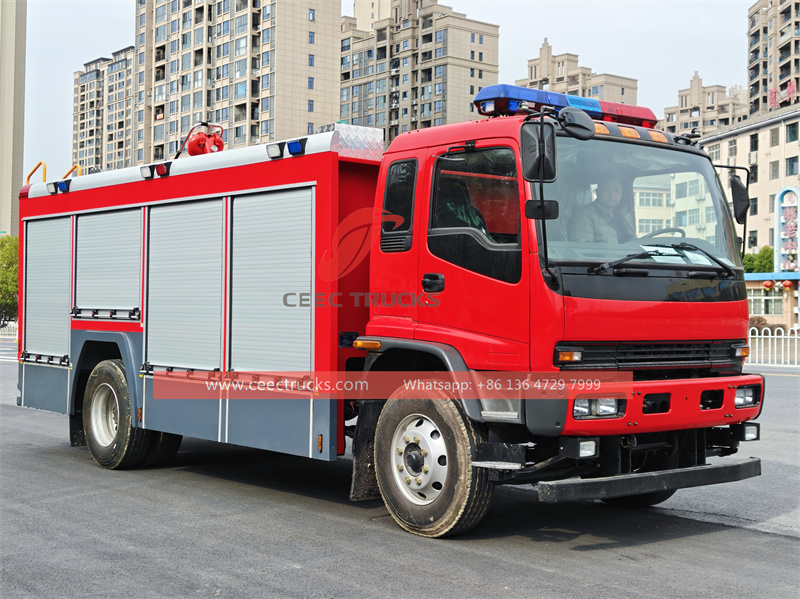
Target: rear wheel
[112, 440]
[423, 463]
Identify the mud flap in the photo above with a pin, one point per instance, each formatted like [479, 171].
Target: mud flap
[364, 485]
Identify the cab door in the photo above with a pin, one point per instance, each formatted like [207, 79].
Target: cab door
[473, 257]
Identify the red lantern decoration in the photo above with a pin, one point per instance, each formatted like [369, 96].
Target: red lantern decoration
[769, 284]
[787, 284]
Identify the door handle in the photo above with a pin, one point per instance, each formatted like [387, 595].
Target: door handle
[432, 282]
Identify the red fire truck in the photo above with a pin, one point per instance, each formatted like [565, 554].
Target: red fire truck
[560, 243]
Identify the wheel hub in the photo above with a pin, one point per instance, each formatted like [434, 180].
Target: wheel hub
[419, 459]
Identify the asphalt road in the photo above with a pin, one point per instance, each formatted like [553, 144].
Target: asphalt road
[226, 521]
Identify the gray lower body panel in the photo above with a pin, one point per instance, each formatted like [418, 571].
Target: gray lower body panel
[625, 485]
[45, 387]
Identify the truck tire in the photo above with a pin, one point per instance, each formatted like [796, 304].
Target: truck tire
[112, 440]
[423, 464]
[643, 500]
[163, 447]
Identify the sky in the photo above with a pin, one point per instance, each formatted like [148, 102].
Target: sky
[659, 43]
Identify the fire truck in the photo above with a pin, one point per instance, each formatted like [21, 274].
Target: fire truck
[558, 243]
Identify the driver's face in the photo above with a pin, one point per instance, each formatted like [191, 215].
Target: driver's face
[609, 193]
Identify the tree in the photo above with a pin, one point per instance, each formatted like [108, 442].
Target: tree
[764, 260]
[749, 262]
[9, 277]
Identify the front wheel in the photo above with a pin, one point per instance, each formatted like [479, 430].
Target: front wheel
[423, 463]
[112, 440]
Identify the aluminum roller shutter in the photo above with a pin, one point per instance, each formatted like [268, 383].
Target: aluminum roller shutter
[184, 309]
[47, 273]
[272, 249]
[108, 265]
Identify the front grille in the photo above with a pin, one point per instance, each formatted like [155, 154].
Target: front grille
[651, 355]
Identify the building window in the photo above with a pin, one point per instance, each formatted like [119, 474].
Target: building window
[311, 105]
[752, 239]
[754, 174]
[732, 147]
[480, 39]
[713, 152]
[311, 14]
[311, 60]
[472, 37]
[791, 166]
[774, 170]
[311, 128]
[310, 37]
[774, 137]
[772, 204]
[791, 132]
[754, 142]
[753, 206]
[310, 83]
[765, 302]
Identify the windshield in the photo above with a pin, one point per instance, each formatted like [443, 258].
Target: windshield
[620, 199]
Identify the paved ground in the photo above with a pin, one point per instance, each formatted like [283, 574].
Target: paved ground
[227, 521]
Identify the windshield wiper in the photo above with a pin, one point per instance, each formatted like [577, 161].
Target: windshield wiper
[595, 270]
[683, 245]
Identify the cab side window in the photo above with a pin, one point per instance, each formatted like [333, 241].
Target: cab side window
[475, 212]
[398, 206]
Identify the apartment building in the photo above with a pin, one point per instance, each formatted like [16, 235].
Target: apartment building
[561, 73]
[773, 54]
[262, 69]
[417, 68]
[101, 112]
[768, 146]
[13, 17]
[707, 108]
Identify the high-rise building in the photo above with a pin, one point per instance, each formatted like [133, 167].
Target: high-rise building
[102, 113]
[420, 67]
[262, 69]
[561, 73]
[773, 54]
[12, 109]
[368, 11]
[705, 107]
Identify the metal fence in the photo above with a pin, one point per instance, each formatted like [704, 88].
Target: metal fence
[8, 330]
[774, 346]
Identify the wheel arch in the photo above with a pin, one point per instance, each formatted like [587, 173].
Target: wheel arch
[397, 355]
[91, 349]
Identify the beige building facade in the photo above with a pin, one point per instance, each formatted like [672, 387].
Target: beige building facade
[707, 108]
[102, 112]
[263, 70]
[13, 15]
[773, 61]
[561, 73]
[418, 68]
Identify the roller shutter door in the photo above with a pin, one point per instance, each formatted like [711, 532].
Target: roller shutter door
[47, 273]
[272, 249]
[108, 264]
[184, 311]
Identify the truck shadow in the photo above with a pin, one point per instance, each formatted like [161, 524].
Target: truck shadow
[515, 511]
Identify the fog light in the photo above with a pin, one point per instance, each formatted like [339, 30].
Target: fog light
[750, 432]
[746, 397]
[580, 408]
[606, 407]
[742, 351]
[587, 449]
[570, 356]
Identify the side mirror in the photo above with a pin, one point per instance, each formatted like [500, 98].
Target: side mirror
[740, 198]
[538, 152]
[576, 123]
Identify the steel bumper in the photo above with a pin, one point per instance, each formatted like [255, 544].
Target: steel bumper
[623, 485]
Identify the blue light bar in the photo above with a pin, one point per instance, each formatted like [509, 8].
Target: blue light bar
[504, 99]
[297, 147]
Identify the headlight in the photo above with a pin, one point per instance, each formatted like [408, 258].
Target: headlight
[604, 407]
[747, 397]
